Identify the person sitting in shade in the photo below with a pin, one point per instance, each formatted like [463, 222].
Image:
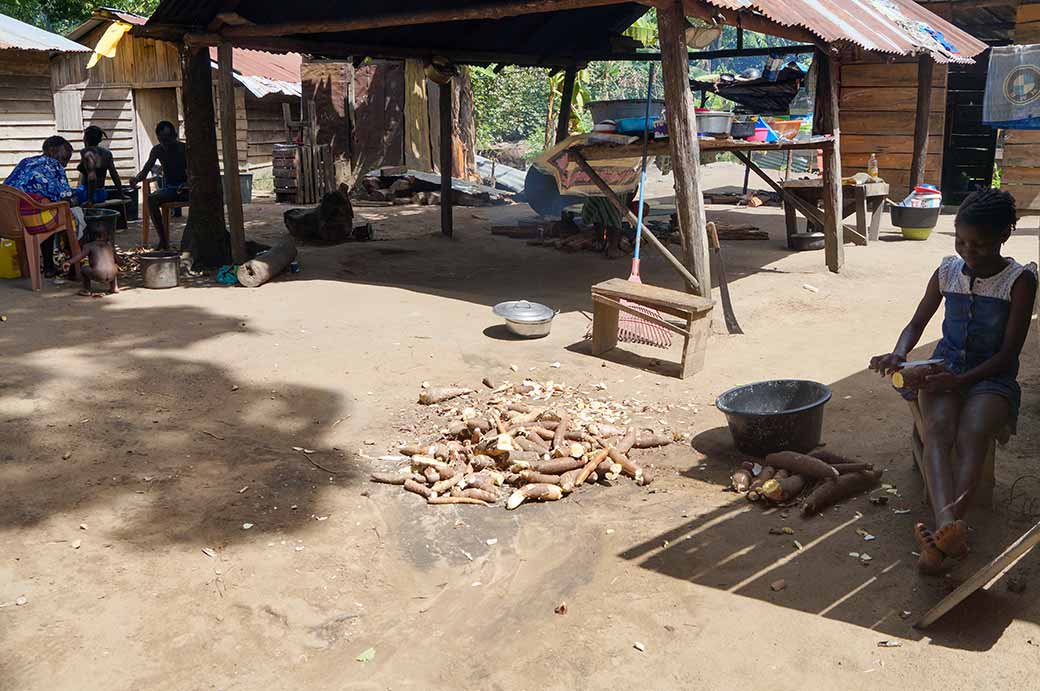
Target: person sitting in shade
[95, 166]
[171, 154]
[43, 178]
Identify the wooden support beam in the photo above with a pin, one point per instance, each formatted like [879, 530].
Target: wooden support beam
[563, 126]
[446, 147]
[375, 20]
[833, 230]
[229, 144]
[682, 136]
[693, 283]
[925, 69]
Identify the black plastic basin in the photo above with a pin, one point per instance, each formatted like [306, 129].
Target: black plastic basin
[777, 415]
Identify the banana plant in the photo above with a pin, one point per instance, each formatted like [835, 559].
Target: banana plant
[579, 98]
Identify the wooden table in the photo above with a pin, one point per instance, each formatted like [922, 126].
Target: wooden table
[829, 219]
[864, 200]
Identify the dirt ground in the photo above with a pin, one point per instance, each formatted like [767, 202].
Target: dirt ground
[139, 430]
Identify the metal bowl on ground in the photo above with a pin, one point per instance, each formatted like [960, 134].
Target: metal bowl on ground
[802, 242]
[526, 319]
[776, 415]
[160, 269]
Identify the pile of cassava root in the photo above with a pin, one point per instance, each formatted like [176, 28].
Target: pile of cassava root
[528, 442]
[782, 477]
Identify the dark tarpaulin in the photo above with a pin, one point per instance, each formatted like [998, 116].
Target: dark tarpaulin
[760, 95]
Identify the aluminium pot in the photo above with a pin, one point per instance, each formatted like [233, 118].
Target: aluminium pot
[525, 318]
[160, 269]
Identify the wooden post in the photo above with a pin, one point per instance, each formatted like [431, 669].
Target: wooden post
[833, 229]
[925, 68]
[446, 146]
[682, 135]
[563, 126]
[205, 234]
[229, 143]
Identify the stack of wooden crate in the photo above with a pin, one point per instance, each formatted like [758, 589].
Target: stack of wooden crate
[304, 171]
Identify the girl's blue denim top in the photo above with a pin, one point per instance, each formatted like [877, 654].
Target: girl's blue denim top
[977, 311]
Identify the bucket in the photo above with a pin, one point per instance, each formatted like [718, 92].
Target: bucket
[160, 269]
[245, 186]
[777, 415]
[9, 265]
[98, 220]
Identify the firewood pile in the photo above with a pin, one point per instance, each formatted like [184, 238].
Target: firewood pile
[397, 185]
[527, 442]
[820, 479]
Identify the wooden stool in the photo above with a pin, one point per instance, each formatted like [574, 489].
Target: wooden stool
[983, 497]
[693, 309]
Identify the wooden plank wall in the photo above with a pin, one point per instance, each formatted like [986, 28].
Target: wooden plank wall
[111, 109]
[1021, 173]
[877, 107]
[139, 62]
[241, 125]
[26, 106]
[266, 126]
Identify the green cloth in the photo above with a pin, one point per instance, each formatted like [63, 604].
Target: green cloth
[599, 211]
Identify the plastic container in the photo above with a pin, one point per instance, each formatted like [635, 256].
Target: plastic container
[98, 220]
[9, 265]
[777, 415]
[924, 196]
[916, 223]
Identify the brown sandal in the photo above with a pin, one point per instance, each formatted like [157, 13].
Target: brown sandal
[931, 560]
[952, 539]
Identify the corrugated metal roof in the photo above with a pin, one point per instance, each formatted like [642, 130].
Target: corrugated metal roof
[899, 27]
[22, 36]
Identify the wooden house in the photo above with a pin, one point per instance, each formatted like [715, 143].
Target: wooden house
[26, 106]
[126, 95]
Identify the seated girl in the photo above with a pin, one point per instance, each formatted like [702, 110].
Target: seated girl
[989, 300]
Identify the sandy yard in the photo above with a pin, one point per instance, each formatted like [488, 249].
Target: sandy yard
[139, 429]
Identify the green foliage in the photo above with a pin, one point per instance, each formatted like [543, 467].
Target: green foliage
[510, 106]
[998, 173]
[60, 16]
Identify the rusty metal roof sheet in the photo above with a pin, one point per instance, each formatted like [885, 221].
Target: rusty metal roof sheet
[21, 36]
[898, 27]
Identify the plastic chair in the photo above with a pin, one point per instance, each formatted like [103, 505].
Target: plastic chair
[164, 209]
[12, 227]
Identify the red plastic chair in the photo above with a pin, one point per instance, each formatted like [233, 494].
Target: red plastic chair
[12, 227]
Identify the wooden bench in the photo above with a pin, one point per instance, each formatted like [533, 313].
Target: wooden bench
[866, 201]
[694, 310]
[983, 497]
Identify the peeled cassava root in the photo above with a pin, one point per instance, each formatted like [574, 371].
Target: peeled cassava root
[537, 492]
[783, 489]
[440, 394]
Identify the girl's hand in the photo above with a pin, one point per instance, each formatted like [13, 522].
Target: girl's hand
[887, 364]
[943, 381]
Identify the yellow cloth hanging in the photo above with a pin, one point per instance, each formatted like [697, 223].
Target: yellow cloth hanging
[106, 47]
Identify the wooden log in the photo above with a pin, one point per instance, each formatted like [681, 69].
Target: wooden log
[925, 69]
[229, 143]
[445, 162]
[682, 136]
[263, 268]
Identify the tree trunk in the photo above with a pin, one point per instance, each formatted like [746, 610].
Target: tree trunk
[205, 234]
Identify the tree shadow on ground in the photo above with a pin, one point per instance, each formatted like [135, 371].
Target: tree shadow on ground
[731, 548]
[157, 448]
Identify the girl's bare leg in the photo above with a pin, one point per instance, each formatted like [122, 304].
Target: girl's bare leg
[982, 418]
[942, 414]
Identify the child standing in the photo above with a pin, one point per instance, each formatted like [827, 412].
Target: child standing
[102, 267]
[989, 299]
